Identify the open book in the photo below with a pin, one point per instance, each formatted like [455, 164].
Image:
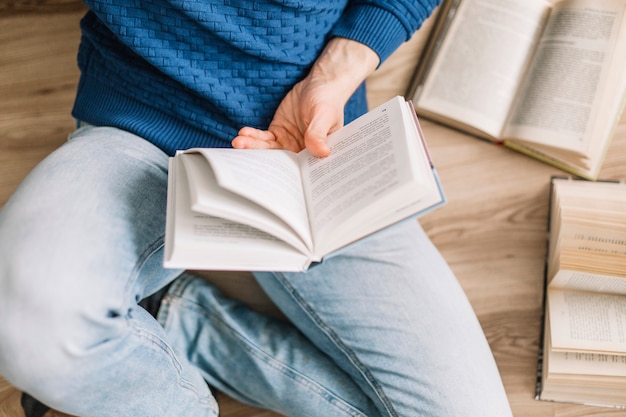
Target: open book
[548, 81]
[584, 347]
[233, 209]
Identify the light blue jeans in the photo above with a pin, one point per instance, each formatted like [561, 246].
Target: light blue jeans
[380, 328]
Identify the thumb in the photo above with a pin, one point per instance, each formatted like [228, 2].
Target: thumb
[316, 135]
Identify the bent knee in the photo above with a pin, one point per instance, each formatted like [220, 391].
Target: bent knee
[45, 332]
[28, 330]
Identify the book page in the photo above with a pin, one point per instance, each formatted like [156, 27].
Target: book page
[208, 197]
[269, 178]
[376, 173]
[585, 281]
[570, 77]
[481, 61]
[587, 321]
[581, 364]
[197, 241]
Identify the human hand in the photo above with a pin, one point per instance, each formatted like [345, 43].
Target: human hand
[305, 117]
[313, 109]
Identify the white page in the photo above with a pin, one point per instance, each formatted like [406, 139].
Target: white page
[583, 363]
[581, 320]
[270, 178]
[209, 198]
[476, 74]
[586, 281]
[368, 172]
[194, 240]
[576, 363]
[565, 87]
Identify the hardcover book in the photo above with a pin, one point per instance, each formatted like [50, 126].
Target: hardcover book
[234, 209]
[544, 79]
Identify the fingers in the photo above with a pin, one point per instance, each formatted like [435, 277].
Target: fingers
[287, 135]
[257, 134]
[315, 142]
[251, 138]
[274, 138]
[246, 142]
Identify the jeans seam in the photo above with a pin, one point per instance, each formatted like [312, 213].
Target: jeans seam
[287, 371]
[302, 380]
[161, 344]
[155, 340]
[336, 340]
[142, 259]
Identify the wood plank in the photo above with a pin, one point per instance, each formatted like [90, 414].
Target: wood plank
[37, 85]
[15, 7]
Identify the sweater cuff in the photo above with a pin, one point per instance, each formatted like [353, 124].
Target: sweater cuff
[375, 27]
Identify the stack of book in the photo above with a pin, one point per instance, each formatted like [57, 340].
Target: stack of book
[583, 356]
[548, 79]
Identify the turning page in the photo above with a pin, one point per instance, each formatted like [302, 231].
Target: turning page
[195, 240]
[260, 188]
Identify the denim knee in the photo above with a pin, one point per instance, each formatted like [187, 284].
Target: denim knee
[48, 327]
[31, 347]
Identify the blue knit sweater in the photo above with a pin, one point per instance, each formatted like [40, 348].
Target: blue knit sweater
[191, 73]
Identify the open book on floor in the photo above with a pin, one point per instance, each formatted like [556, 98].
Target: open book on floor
[547, 81]
[583, 356]
[232, 209]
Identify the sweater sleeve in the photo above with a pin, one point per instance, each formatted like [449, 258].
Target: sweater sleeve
[383, 25]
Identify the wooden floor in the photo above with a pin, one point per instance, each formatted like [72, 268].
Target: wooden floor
[492, 231]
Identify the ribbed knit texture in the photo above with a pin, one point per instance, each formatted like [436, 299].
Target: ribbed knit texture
[191, 73]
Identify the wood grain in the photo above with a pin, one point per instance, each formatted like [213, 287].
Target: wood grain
[37, 85]
[14, 7]
[492, 231]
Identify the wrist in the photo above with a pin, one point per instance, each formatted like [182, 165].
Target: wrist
[344, 64]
